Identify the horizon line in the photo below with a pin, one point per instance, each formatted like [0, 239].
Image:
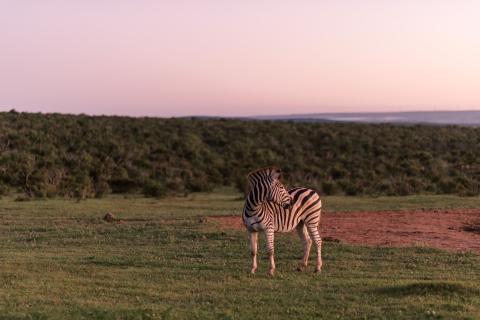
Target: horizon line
[10, 109]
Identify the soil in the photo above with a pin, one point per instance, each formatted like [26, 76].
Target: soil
[454, 230]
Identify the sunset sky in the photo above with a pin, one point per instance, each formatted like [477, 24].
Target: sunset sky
[221, 57]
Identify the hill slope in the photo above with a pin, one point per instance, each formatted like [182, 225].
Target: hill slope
[81, 156]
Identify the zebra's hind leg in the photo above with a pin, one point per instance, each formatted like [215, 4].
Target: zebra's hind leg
[313, 230]
[307, 244]
[253, 236]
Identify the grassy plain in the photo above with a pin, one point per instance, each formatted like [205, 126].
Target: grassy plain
[60, 260]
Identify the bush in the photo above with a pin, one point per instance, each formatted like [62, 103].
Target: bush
[82, 156]
[3, 189]
[154, 189]
[329, 188]
[123, 185]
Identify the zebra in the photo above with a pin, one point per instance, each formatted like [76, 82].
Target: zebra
[269, 207]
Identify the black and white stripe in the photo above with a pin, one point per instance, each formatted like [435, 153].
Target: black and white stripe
[269, 207]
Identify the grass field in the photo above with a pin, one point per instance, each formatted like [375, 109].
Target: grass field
[60, 260]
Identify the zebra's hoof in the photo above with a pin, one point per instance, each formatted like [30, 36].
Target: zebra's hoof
[271, 273]
[253, 271]
[318, 270]
[301, 267]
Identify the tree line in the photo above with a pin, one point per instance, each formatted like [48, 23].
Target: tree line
[79, 156]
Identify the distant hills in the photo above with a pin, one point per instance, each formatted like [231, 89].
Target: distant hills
[469, 118]
[463, 118]
[80, 156]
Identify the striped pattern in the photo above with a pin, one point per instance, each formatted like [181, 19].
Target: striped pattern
[270, 208]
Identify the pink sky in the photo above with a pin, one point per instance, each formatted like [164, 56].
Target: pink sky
[221, 57]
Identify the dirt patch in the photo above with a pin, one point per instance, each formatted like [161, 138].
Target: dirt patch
[445, 229]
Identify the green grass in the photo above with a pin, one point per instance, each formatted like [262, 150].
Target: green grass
[341, 204]
[60, 260]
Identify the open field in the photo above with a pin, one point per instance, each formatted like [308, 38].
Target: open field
[169, 259]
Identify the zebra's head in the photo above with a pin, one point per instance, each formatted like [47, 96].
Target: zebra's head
[266, 185]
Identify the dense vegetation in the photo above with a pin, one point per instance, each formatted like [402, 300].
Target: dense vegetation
[82, 156]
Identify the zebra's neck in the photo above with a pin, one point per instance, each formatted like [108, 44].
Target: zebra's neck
[253, 204]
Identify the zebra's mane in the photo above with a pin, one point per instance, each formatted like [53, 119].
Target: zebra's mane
[273, 168]
[253, 176]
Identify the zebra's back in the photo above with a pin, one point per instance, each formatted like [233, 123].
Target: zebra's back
[306, 207]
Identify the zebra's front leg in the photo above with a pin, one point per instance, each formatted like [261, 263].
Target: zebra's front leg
[253, 236]
[315, 235]
[270, 249]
